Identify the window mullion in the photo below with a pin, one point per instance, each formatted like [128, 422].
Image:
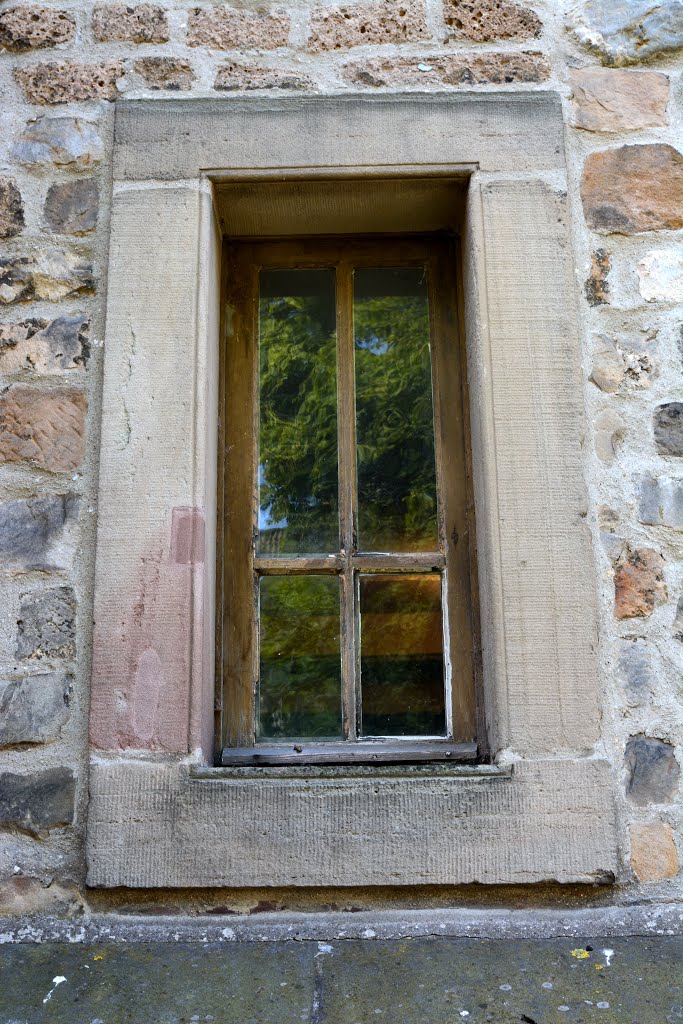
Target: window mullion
[347, 493]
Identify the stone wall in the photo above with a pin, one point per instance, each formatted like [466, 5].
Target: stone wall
[615, 64]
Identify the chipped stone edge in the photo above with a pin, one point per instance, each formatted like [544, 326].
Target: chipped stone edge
[657, 919]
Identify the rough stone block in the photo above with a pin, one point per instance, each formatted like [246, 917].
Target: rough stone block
[484, 21]
[609, 432]
[628, 31]
[608, 100]
[170, 73]
[661, 275]
[38, 533]
[30, 27]
[146, 23]
[44, 346]
[33, 709]
[24, 895]
[39, 802]
[11, 208]
[451, 69]
[597, 287]
[64, 141]
[242, 77]
[387, 21]
[71, 207]
[47, 624]
[69, 82]
[660, 502]
[678, 621]
[52, 274]
[653, 771]
[223, 28]
[653, 851]
[633, 188]
[668, 428]
[608, 369]
[635, 670]
[43, 428]
[638, 583]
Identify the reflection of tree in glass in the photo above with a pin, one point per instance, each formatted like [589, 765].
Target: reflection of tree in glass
[298, 429]
[300, 670]
[402, 655]
[394, 424]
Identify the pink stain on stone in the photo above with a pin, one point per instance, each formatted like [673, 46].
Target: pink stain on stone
[187, 536]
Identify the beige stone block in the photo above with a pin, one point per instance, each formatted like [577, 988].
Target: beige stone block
[223, 28]
[43, 346]
[608, 366]
[638, 583]
[146, 23]
[156, 825]
[151, 476]
[52, 274]
[43, 428]
[653, 852]
[484, 21]
[31, 27]
[609, 432]
[11, 208]
[633, 189]
[69, 81]
[537, 585]
[610, 100]
[235, 77]
[385, 21]
[451, 69]
[496, 131]
[170, 73]
[597, 286]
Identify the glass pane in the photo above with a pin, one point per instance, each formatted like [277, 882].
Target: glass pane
[394, 414]
[300, 664]
[401, 664]
[297, 473]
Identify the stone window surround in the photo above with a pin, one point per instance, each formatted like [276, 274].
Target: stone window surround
[158, 816]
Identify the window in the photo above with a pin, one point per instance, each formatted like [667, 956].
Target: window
[346, 572]
[186, 174]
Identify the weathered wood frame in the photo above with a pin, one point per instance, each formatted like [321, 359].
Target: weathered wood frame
[157, 815]
[240, 568]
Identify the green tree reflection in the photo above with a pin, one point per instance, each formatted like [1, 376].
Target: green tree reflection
[298, 430]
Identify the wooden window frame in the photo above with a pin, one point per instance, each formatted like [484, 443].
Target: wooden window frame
[239, 568]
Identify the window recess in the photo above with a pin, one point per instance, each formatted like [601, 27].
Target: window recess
[346, 620]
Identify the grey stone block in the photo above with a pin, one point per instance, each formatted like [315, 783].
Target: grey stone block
[33, 709]
[58, 140]
[653, 771]
[636, 669]
[36, 533]
[660, 502]
[39, 802]
[668, 424]
[47, 624]
[629, 31]
[678, 621]
[71, 207]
